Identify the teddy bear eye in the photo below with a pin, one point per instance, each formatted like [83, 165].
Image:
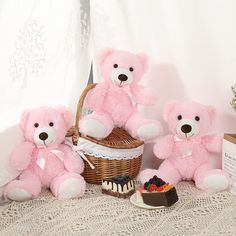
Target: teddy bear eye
[51, 124]
[115, 65]
[36, 125]
[131, 69]
[197, 118]
[179, 117]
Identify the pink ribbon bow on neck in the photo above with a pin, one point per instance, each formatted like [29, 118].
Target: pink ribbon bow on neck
[44, 152]
[177, 138]
[186, 145]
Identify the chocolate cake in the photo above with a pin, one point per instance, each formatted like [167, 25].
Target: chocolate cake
[118, 186]
[157, 193]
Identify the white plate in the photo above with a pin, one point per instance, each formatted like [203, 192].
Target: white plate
[143, 205]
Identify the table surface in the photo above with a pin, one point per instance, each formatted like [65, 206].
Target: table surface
[196, 213]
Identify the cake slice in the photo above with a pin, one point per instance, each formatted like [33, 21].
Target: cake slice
[156, 192]
[118, 186]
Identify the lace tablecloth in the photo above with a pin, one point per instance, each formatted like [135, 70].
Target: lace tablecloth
[196, 213]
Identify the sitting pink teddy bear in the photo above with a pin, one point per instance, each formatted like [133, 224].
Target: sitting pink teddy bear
[43, 159]
[111, 101]
[187, 150]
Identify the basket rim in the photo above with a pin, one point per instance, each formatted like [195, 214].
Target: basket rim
[126, 142]
[90, 148]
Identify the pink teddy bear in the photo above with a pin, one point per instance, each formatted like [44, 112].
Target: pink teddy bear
[111, 101]
[186, 152]
[43, 160]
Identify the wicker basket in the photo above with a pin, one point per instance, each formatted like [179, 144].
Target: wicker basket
[117, 140]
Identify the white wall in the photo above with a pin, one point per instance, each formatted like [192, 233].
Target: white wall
[191, 45]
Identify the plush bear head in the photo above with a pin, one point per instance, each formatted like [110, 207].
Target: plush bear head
[188, 119]
[46, 126]
[122, 68]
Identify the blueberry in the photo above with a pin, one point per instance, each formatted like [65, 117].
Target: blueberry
[163, 182]
[160, 183]
[146, 185]
[157, 181]
[121, 178]
[155, 177]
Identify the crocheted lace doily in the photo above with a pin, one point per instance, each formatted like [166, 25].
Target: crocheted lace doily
[97, 150]
[196, 213]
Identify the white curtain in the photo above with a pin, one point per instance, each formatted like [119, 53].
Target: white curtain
[44, 56]
[44, 60]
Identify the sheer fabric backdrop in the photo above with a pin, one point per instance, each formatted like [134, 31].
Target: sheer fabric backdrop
[44, 60]
[44, 54]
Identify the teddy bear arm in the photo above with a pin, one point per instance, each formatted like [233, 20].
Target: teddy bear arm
[92, 101]
[213, 143]
[21, 156]
[163, 148]
[144, 95]
[72, 161]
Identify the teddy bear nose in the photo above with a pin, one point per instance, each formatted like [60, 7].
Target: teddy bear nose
[43, 136]
[122, 77]
[186, 128]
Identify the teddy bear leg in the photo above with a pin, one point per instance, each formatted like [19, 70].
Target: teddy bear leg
[141, 128]
[211, 180]
[28, 186]
[166, 172]
[96, 125]
[68, 185]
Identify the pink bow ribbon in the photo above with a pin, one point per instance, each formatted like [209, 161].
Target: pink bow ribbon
[177, 138]
[186, 145]
[44, 152]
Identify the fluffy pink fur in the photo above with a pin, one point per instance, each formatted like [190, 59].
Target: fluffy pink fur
[187, 156]
[112, 100]
[59, 158]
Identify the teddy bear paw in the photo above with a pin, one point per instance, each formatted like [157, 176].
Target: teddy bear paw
[93, 128]
[71, 188]
[147, 132]
[215, 183]
[18, 194]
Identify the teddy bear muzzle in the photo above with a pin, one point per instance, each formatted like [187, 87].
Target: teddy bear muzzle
[187, 128]
[121, 76]
[45, 136]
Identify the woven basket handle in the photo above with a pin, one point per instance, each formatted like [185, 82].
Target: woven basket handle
[74, 130]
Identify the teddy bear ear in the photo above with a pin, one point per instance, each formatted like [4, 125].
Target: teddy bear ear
[212, 113]
[168, 108]
[24, 119]
[104, 54]
[144, 60]
[66, 114]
